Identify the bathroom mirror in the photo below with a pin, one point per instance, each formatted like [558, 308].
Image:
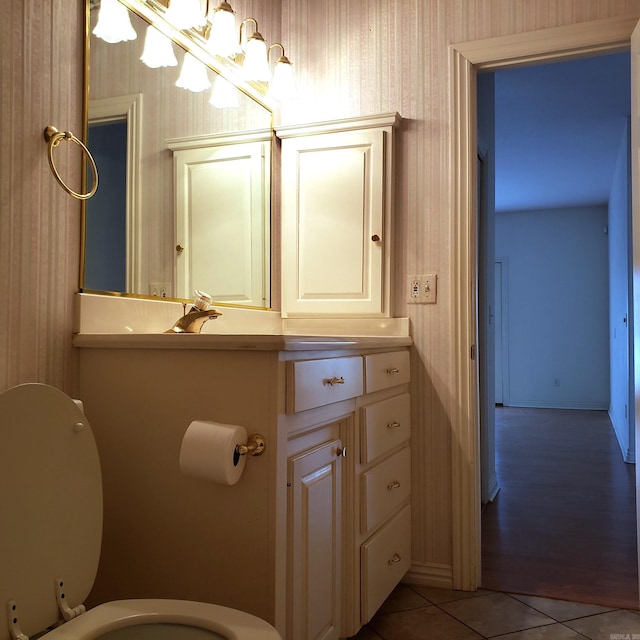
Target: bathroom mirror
[184, 188]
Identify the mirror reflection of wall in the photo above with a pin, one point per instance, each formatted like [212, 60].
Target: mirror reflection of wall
[143, 259]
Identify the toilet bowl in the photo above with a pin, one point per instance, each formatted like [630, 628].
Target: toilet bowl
[51, 500]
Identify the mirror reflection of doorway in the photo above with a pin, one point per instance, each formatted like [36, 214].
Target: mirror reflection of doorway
[106, 228]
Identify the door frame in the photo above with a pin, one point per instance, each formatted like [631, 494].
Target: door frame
[128, 108]
[557, 43]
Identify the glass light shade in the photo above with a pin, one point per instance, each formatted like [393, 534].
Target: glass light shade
[114, 23]
[185, 14]
[193, 75]
[223, 39]
[158, 50]
[256, 64]
[224, 95]
[282, 85]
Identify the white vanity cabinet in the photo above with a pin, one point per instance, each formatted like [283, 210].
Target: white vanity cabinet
[314, 535]
[336, 203]
[343, 572]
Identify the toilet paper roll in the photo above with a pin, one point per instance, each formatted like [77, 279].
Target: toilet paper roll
[209, 451]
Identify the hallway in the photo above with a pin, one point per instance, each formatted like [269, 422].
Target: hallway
[564, 522]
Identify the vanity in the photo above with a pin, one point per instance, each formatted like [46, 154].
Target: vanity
[317, 532]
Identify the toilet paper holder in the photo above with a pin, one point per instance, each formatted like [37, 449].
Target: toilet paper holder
[255, 446]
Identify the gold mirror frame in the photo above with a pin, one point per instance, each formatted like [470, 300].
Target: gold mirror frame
[152, 12]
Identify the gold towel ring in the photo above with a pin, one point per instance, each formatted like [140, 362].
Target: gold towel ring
[53, 137]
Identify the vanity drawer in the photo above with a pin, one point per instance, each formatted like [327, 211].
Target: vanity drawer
[385, 558]
[384, 370]
[314, 383]
[385, 487]
[385, 425]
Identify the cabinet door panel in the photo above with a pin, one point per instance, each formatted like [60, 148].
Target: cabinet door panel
[221, 222]
[316, 547]
[334, 227]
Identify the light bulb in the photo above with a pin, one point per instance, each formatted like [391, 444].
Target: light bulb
[282, 85]
[193, 75]
[158, 50]
[185, 14]
[114, 23]
[224, 95]
[223, 40]
[256, 64]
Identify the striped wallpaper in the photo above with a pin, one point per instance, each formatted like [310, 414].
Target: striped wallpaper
[352, 57]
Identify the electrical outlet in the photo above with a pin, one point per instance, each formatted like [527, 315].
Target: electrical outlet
[159, 289]
[421, 289]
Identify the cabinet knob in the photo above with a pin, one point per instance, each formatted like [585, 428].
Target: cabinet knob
[333, 381]
[375, 238]
[341, 452]
[393, 485]
[392, 370]
[179, 248]
[393, 425]
[395, 559]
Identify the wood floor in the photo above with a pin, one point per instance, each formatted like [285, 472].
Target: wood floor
[564, 522]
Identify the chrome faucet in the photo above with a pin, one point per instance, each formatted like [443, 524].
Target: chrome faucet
[200, 312]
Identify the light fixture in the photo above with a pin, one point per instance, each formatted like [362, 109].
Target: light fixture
[282, 85]
[247, 54]
[185, 14]
[222, 39]
[224, 95]
[114, 24]
[255, 65]
[158, 50]
[193, 74]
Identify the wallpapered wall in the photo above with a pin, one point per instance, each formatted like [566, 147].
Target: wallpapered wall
[352, 58]
[374, 56]
[40, 84]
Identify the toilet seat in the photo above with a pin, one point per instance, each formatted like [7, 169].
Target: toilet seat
[51, 496]
[231, 624]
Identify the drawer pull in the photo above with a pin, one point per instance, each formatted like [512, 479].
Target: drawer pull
[392, 370]
[334, 381]
[393, 425]
[393, 485]
[341, 452]
[395, 559]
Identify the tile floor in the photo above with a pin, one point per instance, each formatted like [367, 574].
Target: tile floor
[424, 613]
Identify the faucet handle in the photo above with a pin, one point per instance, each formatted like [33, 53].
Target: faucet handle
[203, 301]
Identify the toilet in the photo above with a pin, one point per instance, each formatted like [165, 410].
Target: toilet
[50, 538]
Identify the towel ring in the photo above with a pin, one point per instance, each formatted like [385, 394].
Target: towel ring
[53, 137]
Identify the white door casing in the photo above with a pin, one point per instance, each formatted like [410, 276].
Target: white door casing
[582, 39]
[635, 232]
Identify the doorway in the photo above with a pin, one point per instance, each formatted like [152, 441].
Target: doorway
[466, 59]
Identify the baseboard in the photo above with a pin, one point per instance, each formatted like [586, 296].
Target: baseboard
[595, 406]
[493, 488]
[628, 454]
[430, 574]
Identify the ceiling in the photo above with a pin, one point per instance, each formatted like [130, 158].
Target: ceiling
[558, 130]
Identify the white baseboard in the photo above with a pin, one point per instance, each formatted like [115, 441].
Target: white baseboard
[430, 574]
[493, 488]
